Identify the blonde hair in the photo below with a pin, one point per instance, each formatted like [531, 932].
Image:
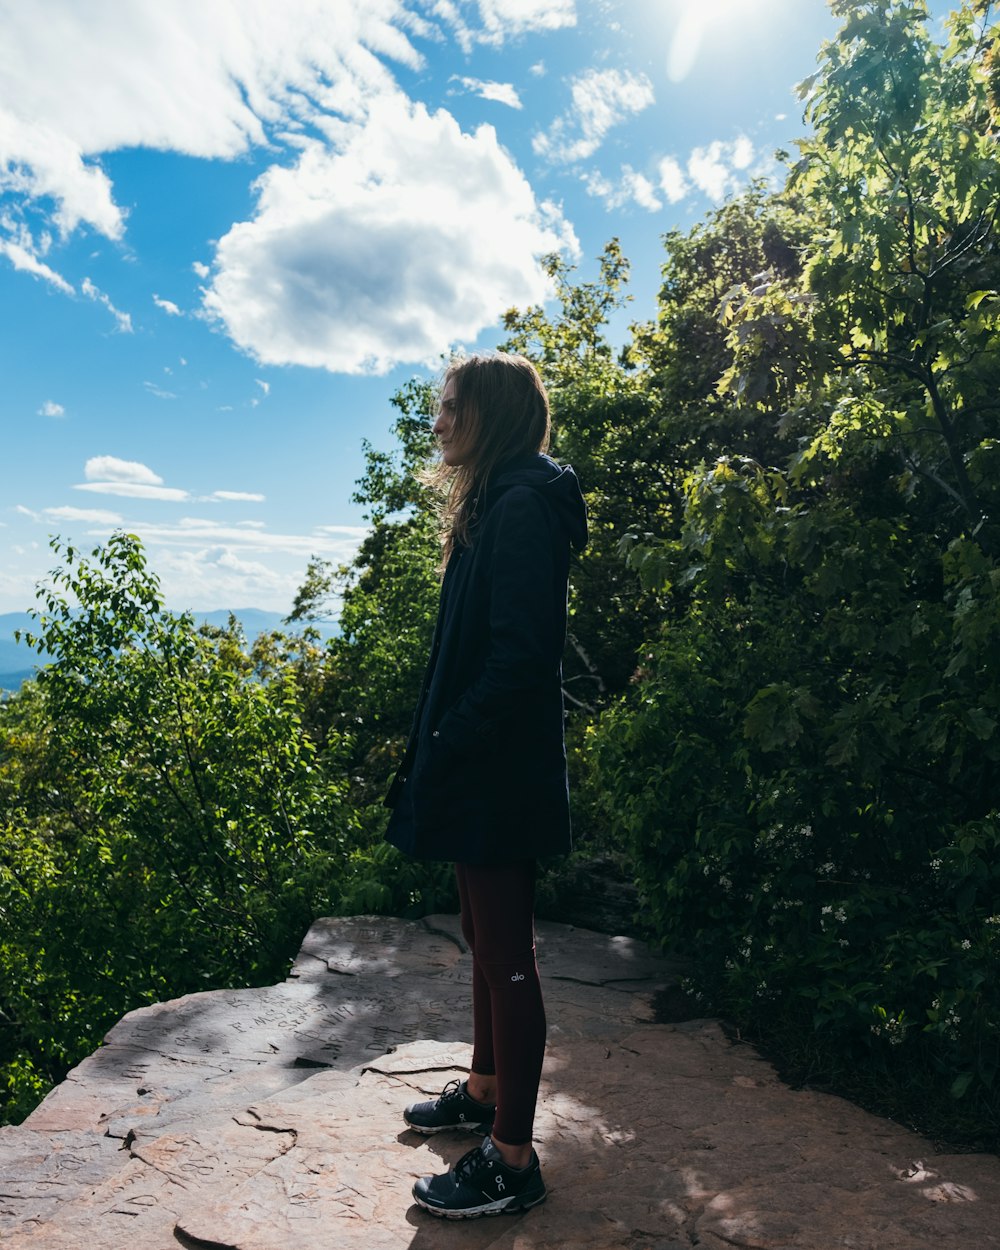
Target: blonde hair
[501, 412]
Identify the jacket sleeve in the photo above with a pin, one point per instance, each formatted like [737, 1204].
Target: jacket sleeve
[526, 627]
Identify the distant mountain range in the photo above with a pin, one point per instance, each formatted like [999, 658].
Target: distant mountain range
[18, 662]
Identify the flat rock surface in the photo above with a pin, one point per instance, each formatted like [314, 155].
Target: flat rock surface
[269, 1119]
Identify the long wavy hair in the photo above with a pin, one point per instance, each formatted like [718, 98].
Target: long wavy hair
[501, 412]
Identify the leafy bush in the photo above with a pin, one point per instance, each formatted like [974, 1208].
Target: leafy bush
[168, 822]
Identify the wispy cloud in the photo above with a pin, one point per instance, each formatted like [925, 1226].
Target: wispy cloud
[324, 540]
[122, 319]
[134, 490]
[237, 496]
[51, 409]
[168, 306]
[503, 20]
[511, 18]
[348, 531]
[501, 92]
[21, 258]
[94, 516]
[601, 99]
[158, 391]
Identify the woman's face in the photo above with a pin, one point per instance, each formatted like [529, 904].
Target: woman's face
[452, 451]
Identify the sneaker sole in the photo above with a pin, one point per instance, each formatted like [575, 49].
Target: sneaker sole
[466, 1126]
[504, 1206]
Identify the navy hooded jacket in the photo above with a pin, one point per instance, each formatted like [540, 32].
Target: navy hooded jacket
[483, 779]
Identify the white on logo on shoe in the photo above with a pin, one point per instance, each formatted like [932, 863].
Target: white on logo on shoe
[500, 1185]
[518, 976]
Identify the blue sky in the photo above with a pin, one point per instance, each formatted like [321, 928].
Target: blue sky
[229, 231]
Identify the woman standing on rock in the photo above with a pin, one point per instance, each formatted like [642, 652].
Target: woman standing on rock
[483, 780]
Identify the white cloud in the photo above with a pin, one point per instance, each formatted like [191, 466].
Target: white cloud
[190, 531]
[741, 153]
[111, 469]
[38, 158]
[95, 516]
[134, 490]
[21, 258]
[501, 92]
[123, 320]
[201, 563]
[715, 169]
[444, 223]
[168, 306]
[718, 169]
[202, 578]
[51, 409]
[107, 475]
[501, 20]
[673, 183]
[264, 386]
[601, 99]
[206, 80]
[631, 187]
[409, 237]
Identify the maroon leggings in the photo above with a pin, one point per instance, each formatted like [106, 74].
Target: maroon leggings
[508, 1013]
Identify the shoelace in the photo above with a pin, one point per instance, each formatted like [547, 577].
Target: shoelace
[451, 1091]
[471, 1162]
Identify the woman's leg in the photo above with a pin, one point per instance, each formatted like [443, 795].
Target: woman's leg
[500, 902]
[482, 1084]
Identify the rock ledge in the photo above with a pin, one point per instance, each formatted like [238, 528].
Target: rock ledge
[268, 1119]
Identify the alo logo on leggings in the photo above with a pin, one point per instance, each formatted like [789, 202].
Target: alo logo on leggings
[518, 976]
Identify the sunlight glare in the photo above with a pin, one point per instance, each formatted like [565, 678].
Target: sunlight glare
[696, 18]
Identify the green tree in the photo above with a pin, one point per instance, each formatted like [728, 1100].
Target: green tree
[816, 730]
[167, 823]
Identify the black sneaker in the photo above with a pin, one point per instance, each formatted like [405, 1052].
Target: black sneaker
[453, 1108]
[481, 1184]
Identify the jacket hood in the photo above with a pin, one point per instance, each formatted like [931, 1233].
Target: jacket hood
[558, 486]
